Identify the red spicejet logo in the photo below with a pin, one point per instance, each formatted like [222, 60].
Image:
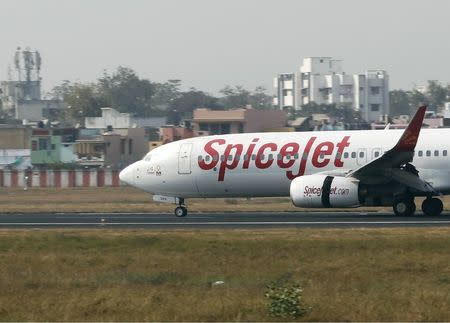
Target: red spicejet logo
[321, 156]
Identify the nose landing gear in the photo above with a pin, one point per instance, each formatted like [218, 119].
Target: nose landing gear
[181, 210]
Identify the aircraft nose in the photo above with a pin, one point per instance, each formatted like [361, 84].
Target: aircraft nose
[126, 175]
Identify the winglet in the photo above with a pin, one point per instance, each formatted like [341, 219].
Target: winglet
[409, 138]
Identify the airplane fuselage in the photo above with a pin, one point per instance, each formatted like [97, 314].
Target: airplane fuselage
[264, 164]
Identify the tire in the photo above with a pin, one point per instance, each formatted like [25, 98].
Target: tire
[432, 207]
[404, 207]
[180, 211]
[426, 206]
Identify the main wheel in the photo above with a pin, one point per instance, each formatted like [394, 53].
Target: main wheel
[181, 211]
[404, 207]
[432, 206]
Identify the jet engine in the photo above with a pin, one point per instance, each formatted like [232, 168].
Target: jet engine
[324, 191]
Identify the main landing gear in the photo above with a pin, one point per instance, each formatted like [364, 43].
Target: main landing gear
[181, 210]
[405, 206]
[432, 206]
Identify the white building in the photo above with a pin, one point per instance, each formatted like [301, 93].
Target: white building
[118, 120]
[286, 86]
[323, 81]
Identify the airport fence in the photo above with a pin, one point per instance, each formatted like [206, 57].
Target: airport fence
[59, 178]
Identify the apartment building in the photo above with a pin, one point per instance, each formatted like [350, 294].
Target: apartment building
[323, 81]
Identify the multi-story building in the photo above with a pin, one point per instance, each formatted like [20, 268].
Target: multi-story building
[115, 148]
[217, 122]
[286, 86]
[21, 97]
[323, 81]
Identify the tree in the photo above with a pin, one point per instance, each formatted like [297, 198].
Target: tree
[400, 102]
[418, 99]
[165, 93]
[235, 97]
[238, 97]
[437, 95]
[124, 91]
[259, 99]
[82, 100]
[188, 101]
[60, 91]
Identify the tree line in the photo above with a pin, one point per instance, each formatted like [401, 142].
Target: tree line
[434, 96]
[126, 92]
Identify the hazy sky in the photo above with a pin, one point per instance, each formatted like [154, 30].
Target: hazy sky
[209, 44]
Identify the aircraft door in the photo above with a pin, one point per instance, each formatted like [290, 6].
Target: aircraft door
[184, 159]
[361, 158]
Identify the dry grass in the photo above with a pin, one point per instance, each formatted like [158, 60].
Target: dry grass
[133, 275]
[121, 199]
[127, 199]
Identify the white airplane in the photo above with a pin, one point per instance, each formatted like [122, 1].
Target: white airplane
[336, 169]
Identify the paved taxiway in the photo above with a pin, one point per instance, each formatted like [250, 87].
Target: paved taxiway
[219, 220]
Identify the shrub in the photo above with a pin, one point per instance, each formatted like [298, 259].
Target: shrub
[285, 301]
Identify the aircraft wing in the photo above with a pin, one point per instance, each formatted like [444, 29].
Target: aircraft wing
[395, 163]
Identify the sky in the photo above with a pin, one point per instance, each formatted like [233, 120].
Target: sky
[209, 44]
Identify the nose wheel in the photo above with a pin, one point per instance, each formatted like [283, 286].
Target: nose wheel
[181, 211]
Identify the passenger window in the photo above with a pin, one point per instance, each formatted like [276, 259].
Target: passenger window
[245, 157]
[270, 157]
[207, 158]
[353, 155]
[288, 157]
[361, 154]
[230, 158]
[296, 156]
[338, 156]
[305, 156]
[420, 153]
[262, 157]
[345, 155]
[322, 156]
[222, 157]
[436, 153]
[216, 158]
[238, 157]
[200, 158]
[377, 153]
[428, 153]
[444, 153]
[279, 157]
[253, 157]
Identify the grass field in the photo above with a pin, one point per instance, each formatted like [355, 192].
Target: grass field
[355, 275]
[120, 199]
[127, 199]
[137, 275]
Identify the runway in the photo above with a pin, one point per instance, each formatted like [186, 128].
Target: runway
[243, 220]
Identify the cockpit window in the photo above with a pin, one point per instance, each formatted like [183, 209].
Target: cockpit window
[148, 157]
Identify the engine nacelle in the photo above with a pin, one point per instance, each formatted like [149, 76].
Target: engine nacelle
[324, 191]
